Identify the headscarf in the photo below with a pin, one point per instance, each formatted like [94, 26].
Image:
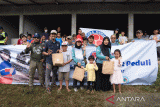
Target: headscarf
[105, 48]
[77, 46]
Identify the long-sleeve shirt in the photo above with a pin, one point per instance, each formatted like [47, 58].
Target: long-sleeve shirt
[101, 57]
[90, 68]
[36, 51]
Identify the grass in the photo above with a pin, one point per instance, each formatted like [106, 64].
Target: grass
[20, 96]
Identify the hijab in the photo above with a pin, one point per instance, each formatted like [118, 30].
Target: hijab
[78, 47]
[105, 48]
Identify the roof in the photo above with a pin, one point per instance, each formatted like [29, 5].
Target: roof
[43, 2]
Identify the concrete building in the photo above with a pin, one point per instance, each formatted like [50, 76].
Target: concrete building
[30, 16]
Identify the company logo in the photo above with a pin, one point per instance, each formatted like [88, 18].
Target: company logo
[107, 99]
[93, 54]
[138, 63]
[125, 79]
[98, 36]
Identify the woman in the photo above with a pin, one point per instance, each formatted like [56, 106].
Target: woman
[103, 53]
[78, 55]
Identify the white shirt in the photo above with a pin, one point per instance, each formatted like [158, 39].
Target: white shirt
[153, 37]
[123, 39]
[66, 57]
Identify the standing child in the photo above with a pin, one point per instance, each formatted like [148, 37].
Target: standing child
[123, 39]
[64, 70]
[59, 39]
[78, 54]
[116, 77]
[91, 77]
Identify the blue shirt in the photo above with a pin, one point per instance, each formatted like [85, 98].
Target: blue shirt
[46, 35]
[114, 44]
[101, 57]
[59, 40]
[29, 41]
[91, 44]
[52, 46]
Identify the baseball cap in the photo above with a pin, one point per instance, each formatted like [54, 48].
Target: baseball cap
[139, 31]
[24, 35]
[64, 43]
[53, 31]
[91, 36]
[36, 35]
[69, 37]
[78, 39]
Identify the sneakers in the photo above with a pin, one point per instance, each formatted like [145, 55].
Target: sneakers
[75, 89]
[81, 88]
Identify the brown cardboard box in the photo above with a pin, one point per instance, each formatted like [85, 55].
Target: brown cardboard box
[78, 74]
[57, 59]
[108, 67]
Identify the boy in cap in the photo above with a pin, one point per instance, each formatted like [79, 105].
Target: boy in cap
[36, 60]
[63, 72]
[139, 34]
[69, 39]
[52, 46]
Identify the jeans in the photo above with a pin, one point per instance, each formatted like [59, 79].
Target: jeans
[49, 68]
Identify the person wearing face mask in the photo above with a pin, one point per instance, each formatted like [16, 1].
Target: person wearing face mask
[103, 53]
[46, 34]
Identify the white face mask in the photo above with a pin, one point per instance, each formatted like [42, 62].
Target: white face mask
[45, 30]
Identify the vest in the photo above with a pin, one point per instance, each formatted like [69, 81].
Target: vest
[3, 34]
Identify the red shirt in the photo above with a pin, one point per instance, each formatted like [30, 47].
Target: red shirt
[19, 42]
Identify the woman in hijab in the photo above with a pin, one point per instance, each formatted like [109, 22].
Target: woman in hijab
[78, 55]
[103, 53]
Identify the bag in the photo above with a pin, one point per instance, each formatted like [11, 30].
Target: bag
[78, 74]
[57, 59]
[108, 67]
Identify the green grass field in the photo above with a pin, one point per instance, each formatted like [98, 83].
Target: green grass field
[19, 96]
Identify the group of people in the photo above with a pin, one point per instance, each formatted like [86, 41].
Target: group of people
[42, 48]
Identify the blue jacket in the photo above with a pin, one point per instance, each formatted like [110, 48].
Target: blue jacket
[100, 56]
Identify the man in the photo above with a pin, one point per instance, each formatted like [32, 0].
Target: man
[139, 34]
[46, 34]
[36, 60]
[51, 47]
[91, 40]
[113, 41]
[69, 39]
[3, 37]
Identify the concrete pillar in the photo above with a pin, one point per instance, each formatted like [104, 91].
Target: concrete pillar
[73, 24]
[21, 20]
[130, 25]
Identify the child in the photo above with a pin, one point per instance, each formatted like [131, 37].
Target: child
[24, 40]
[74, 38]
[123, 39]
[19, 42]
[78, 54]
[64, 70]
[85, 42]
[29, 38]
[59, 39]
[116, 77]
[90, 68]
